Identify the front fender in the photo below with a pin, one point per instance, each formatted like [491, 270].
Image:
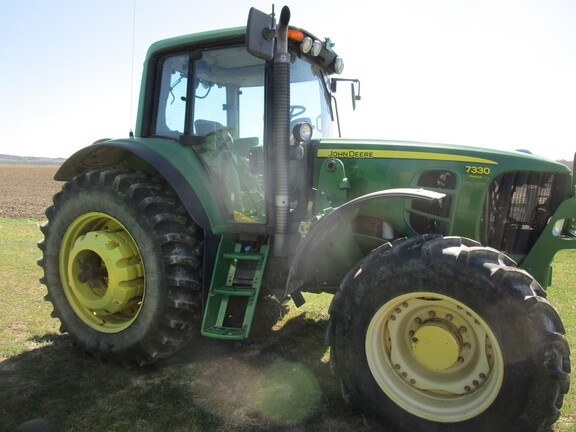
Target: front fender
[178, 165]
[303, 265]
[539, 260]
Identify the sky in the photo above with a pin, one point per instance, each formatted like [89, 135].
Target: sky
[487, 73]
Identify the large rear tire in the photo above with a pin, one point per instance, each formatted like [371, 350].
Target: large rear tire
[441, 334]
[121, 262]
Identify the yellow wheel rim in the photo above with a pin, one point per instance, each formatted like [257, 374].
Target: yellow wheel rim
[434, 356]
[102, 272]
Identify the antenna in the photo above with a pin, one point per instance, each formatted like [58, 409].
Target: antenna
[132, 66]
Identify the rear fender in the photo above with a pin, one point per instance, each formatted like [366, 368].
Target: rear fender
[175, 166]
[304, 264]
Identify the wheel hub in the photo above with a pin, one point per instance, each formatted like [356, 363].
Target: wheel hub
[437, 345]
[102, 272]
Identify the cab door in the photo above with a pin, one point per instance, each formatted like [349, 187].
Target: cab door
[213, 102]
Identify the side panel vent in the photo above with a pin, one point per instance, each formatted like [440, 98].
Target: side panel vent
[426, 225]
[433, 218]
[437, 179]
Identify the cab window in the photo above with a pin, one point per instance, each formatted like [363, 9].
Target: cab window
[171, 103]
[216, 101]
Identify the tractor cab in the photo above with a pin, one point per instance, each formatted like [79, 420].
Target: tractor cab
[218, 102]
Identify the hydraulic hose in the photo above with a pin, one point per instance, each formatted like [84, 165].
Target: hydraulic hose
[281, 134]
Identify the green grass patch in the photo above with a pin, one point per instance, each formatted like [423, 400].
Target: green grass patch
[562, 294]
[24, 315]
[278, 380]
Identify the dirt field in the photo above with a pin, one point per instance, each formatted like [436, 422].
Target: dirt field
[26, 191]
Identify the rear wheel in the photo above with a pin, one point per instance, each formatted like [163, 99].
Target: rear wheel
[121, 262]
[442, 334]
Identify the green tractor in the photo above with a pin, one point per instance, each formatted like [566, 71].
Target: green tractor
[232, 188]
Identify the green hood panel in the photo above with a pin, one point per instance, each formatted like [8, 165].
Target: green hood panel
[409, 150]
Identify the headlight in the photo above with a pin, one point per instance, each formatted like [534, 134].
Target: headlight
[338, 65]
[316, 48]
[306, 45]
[558, 227]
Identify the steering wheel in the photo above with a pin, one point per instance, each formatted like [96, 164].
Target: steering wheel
[296, 110]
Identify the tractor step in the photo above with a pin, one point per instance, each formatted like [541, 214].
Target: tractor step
[231, 333]
[243, 256]
[234, 289]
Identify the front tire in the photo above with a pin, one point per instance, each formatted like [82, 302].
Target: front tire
[121, 262]
[441, 334]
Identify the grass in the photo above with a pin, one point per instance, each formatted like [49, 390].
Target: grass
[24, 324]
[562, 294]
[279, 380]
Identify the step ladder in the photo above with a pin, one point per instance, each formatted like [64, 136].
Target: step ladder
[235, 285]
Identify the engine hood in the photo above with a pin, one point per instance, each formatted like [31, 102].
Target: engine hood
[344, 148]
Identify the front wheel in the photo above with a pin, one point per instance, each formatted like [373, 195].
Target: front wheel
[441, 334]
[121, 262]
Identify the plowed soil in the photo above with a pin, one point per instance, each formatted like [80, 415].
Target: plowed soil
[26, 191]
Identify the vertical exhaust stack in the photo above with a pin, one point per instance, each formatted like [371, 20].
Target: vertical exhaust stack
[269, 43]
[281, 134]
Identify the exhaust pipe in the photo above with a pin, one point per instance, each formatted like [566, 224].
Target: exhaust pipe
[281, 134]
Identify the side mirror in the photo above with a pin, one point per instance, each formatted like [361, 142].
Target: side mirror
[355, 95]
[260, 34]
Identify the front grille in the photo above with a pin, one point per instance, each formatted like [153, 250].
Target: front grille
[517, 208]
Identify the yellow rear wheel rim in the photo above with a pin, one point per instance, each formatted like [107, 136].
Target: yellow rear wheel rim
[102, 272]
[434, 356]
